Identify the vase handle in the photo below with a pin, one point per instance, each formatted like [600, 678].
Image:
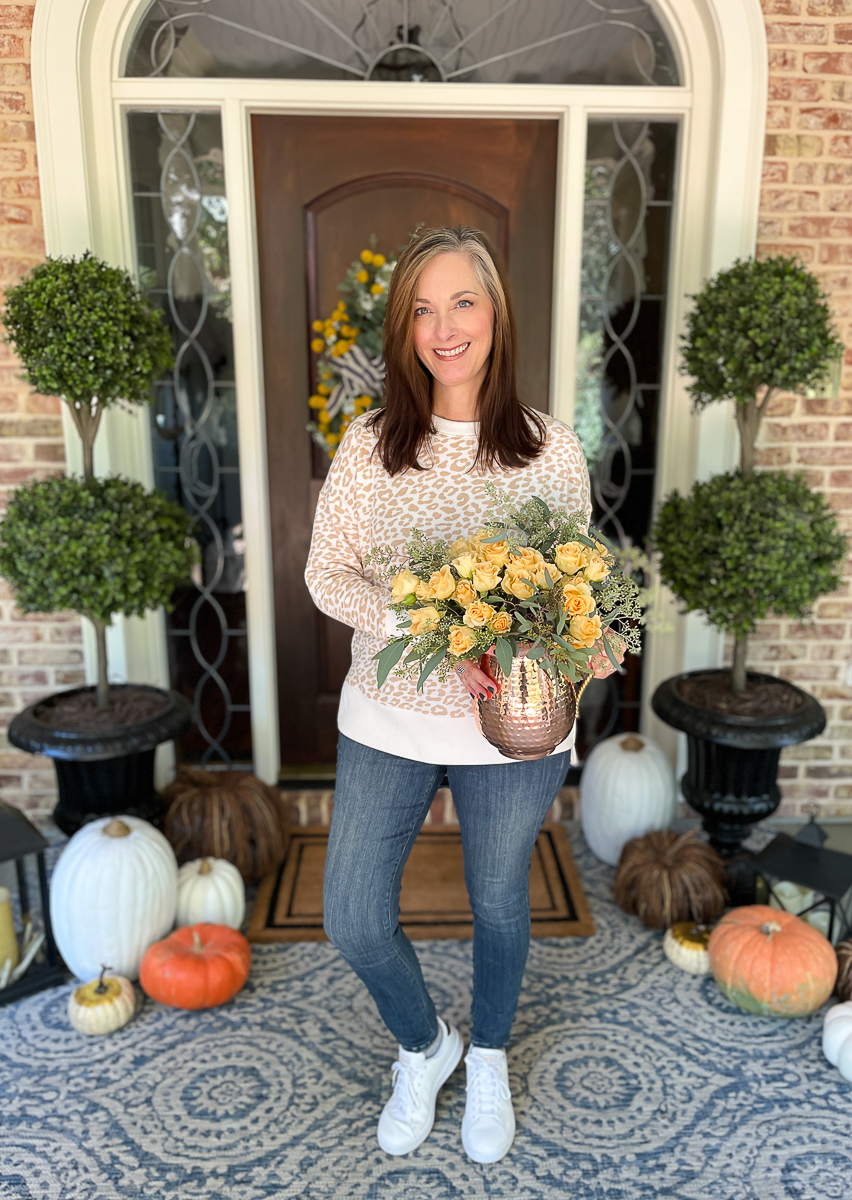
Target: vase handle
[578, 692]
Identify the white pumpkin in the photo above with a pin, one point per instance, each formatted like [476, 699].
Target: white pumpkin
[685, 945]
[113, 893]
[210, 890]
[837, 1038]
[627, 789]
[102, 1005]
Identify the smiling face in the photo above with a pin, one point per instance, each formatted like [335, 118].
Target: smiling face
[453, 323]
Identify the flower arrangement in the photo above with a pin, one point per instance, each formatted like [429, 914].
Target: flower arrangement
[348, 345]
[529, 578]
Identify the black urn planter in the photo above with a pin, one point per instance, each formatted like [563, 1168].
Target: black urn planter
[732, 763]
[107, 772]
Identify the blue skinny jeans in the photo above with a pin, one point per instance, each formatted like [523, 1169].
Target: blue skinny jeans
[380, 803]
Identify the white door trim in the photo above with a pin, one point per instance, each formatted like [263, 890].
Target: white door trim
[79, 102]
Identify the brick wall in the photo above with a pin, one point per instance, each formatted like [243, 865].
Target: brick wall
[37, 654]
[806, 208]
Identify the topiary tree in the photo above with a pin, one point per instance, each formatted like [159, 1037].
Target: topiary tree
[84, 332]
[744, 544]
[757, 328]
[97, 546]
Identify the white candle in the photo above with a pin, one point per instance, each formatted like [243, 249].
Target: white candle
[8, 941]
[791, 897]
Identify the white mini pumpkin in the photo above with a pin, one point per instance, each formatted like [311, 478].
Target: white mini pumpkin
[837, 1038]
[102, 1005]
[210, 890]
[685, 945]
[627, 789]
[113, 893]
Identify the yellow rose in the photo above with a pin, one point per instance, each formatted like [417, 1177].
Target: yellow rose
[462, 546]
[570, 557]
[478, 615]
[495, 552]
[423, 620]
[403, 585]
[441, 585]
[595, 568]
[461, 640]
[422, 590]
[464, 564]
[465, 593]
[527, 557]
[540, 573]
[486, 576]
[584, 631]
[501, 623]
[577, 598]
[517, 582]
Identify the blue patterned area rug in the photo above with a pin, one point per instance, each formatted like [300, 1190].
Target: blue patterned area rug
[632, 1081]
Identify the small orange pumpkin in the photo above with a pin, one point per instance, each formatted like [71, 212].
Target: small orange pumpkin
[198, 966]
[771, 962]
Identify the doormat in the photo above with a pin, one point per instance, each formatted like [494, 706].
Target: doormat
[433, 901]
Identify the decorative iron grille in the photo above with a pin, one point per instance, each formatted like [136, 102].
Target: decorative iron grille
[181, 210]
[468, 41]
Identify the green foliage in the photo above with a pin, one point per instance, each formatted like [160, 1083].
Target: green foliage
[98, 546]
[738, 547]
[83, 331]
[758, 324]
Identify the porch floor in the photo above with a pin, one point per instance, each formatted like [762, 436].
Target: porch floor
[631, 1079]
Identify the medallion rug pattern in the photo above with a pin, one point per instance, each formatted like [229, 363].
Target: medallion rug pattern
[632, 1081]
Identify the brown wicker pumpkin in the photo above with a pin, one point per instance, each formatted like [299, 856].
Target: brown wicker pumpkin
[666, 877]
[227, 814]
[843, 986]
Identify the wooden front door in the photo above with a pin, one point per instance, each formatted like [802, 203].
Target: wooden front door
[323, 186]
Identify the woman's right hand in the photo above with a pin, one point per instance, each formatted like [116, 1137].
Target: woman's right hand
[476, 682]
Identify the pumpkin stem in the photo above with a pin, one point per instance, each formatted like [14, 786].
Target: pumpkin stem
[770, 927]
[196, 940]
[205, 867]
[632, 743]
[102, 987]
[116, 828]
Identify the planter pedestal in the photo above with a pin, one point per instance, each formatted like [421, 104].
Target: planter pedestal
[732, 762]
[106, 773]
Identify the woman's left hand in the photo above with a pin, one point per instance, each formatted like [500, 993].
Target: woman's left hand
[600, 663]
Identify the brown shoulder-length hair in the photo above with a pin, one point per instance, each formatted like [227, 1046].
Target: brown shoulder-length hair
[509, 433]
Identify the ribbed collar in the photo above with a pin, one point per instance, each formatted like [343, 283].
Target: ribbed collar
[455, 428]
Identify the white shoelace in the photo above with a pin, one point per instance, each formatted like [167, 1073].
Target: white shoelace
[485, 1088]
[407, 1078]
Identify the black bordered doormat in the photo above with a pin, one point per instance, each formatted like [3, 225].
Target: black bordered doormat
[433, 902]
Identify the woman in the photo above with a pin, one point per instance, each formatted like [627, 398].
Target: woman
[452, 422]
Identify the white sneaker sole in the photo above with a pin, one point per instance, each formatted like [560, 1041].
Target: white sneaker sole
[452, 1049]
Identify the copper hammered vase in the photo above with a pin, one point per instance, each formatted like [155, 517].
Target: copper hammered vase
[531, 714]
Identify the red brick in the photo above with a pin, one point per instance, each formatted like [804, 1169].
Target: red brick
[774, 456]
[840, 89]
[806, 791]
[785, 88]
[817, 632]
[38, 427]
[13, 102]
[825, 118]
[838, 201]
[16, 678]
[14, 214]
[808, 172]
[829, 8]
[820, 227]
[824, 455]
[838, 172]
[842, 479]
[783, 60]
[772, 249]
[788, 200]
[782, 8]
[796, 431]
[811, 34]
[834, 609]
[769, 228]
[839, 500]
[11, 46]
[775, 172]
[20, 189]
[68, 656]
[8, 403]
[36, 403]
[835, 254]
[21, 633]
[782, 404]
[832, 772]
[12, 160]
[841, 145]
[778, 116]
[50, 452]
[838, 63]
[820, 653]
[16, 16]
[14, 72]
[69, 677]
[824, 406]
[843, 34]
[809, 671]
[12, 452]
[788, 772]
[19, 238]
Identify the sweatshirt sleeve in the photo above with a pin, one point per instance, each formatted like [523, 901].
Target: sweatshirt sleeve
[335, 574]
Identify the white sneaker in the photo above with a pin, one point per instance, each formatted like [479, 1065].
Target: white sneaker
[488, 1126]
[408, 1116]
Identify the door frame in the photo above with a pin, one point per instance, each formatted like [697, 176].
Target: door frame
[80, 100]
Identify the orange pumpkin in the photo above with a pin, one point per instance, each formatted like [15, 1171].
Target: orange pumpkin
[198, 966]
[770, 962]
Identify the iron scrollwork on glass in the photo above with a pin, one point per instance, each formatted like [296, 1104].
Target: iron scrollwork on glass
[468, 41]
[182, 245]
